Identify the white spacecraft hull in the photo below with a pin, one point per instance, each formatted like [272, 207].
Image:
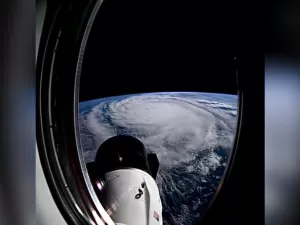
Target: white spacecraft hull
[132, 197]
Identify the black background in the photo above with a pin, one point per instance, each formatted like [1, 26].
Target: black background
[144, 46]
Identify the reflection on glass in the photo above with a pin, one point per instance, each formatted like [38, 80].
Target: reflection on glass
[191, 133]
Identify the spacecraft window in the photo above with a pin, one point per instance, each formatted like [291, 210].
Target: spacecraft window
[134, 70]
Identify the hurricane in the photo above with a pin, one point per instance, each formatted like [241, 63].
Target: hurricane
[191, 133]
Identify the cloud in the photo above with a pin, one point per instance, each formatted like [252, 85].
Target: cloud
[171, 126]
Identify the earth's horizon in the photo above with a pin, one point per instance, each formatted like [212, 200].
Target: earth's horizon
[192, 134]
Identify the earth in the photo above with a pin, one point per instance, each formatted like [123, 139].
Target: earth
[191, 133]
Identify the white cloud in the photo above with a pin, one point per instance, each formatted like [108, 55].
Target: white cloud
[172, 127]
